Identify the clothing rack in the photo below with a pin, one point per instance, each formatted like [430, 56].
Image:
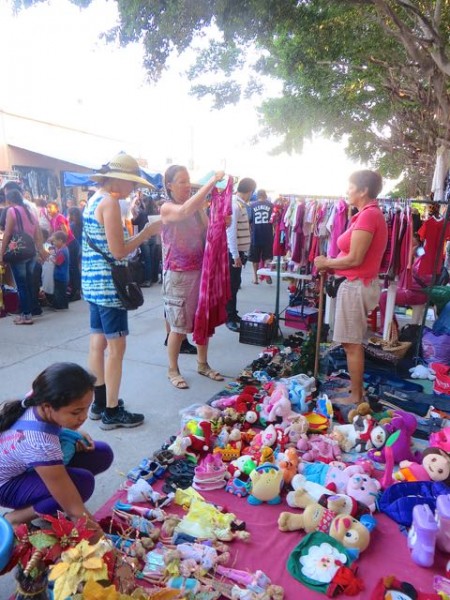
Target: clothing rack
[435, 268]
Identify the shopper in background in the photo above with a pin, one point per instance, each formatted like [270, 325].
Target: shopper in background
[183, 239]
[18, 217]
[61, 260]
[238, 236]
[261, 233]
[361, 247]
[58, 222]
[108, 319]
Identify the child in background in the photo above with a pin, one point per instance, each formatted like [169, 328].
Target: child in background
[33, 478]
[61, 272]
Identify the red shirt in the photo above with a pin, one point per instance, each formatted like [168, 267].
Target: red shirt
[370, 219]
[430, 233]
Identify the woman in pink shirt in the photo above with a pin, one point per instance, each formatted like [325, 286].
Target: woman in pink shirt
[19, 217]
[361, 248]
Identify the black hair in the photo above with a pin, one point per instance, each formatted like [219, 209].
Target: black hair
[367, 179]
[59, 385]
[170, 175]
[14, 196]
[246, 186]
[60, 235]
[75, 214]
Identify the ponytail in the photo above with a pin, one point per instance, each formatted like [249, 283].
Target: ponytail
[15, 197]
[59, 385]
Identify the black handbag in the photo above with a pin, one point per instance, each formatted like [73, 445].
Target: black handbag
[332, 285]
[128, 291]
[21, 246]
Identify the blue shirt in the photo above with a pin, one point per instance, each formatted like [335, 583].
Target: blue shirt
[61, 272]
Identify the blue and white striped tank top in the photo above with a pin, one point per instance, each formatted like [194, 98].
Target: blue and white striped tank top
[96, 280]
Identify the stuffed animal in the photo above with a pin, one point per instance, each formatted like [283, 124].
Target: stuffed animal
[441, 439]
[350, 532]
[289, 464]
[295, 427]
[422, 372]
[334, 476]
[399, 431]
[267, 480]
[319, 447]
[358, 432]
[435, 467]
[361, 488]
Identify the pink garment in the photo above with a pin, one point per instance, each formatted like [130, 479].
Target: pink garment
[280, 241]
[29, 227]
[299, 237]
[370, 219]
[215, 280]
[60, 223]
[183, 244]
[339, 226]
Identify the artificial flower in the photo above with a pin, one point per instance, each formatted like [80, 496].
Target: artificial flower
[79, 564]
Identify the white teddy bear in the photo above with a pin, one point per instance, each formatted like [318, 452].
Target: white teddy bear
[422, 372]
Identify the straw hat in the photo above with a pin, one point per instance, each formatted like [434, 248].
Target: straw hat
[121, 166]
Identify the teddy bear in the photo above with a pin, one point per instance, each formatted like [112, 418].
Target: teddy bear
[351, 533]
[295, 427]
[358, 431]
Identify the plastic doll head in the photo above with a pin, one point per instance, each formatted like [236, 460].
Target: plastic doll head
[436, 462]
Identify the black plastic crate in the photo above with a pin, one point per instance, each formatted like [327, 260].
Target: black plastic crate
[256, 334]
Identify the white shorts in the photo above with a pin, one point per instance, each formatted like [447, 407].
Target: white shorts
[354, 302]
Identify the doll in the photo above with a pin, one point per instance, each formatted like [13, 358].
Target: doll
[435, 467]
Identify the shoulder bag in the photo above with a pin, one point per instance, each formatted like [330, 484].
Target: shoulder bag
[128, 291]
[21, 246]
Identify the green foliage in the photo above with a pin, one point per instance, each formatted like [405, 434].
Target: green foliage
[375, 71]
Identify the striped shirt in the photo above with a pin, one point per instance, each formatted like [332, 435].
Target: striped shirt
[30, 442]
[238, 233]
[96, 280]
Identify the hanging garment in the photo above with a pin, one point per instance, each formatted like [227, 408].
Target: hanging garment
[337, 226]
[430, 233]
[280, 231]
[215, 278]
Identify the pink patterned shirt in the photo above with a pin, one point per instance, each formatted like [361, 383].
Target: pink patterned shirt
[183, 244]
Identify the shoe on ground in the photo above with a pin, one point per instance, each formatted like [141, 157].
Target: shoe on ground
[187, 347]
[122, 418]
[146, 284]
[95, 411]
[233, 326]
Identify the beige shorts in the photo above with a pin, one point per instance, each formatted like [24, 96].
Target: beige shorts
[180, 294]
[353, 304]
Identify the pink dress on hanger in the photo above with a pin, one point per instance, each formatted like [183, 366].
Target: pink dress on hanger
[215, 279]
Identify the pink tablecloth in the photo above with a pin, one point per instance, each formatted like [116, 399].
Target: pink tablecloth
[269, 549]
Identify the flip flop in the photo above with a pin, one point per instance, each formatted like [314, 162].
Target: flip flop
[178, 381]
[205, 370]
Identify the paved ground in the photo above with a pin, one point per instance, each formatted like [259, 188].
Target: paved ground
[25, 351]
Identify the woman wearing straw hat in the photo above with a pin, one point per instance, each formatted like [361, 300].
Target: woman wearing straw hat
[108, 319]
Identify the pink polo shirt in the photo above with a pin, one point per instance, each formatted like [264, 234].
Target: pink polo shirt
[371, 219]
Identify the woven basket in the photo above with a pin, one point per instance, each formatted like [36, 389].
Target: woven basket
[392, 345]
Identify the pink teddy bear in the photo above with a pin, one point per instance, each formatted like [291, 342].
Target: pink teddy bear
[319, 447]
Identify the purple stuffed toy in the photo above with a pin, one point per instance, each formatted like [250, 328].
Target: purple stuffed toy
[397, 434]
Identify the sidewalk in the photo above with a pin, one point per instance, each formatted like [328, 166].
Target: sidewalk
[64, 336]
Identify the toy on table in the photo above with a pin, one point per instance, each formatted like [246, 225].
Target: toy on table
[289, 464]
[295, 428]
[435, 467]
[334, 475]
[422, 372]
[256, 582]
[441, 439]
[405, 423]
[361, 490]
[429, 531]
[266, 481]
[353, 534]
[319, 447]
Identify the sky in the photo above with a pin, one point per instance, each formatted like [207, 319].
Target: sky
[58, 69]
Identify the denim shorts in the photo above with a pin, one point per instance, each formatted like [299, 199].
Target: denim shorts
[111, 322]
